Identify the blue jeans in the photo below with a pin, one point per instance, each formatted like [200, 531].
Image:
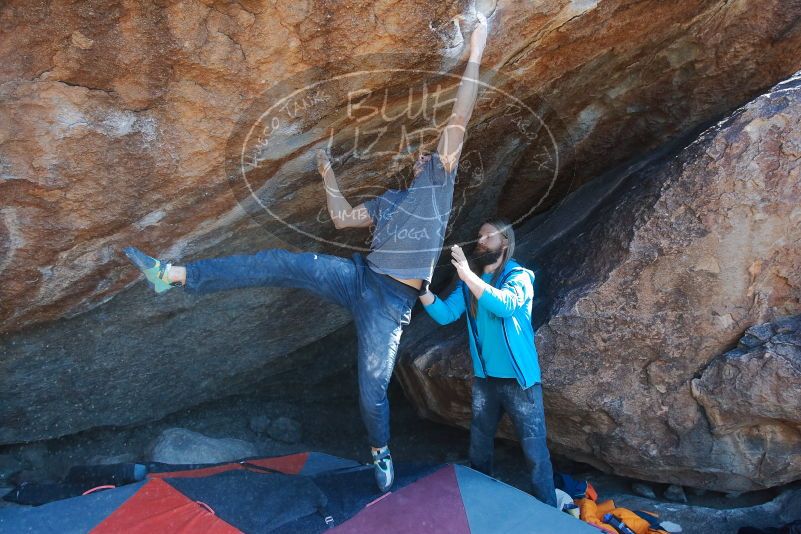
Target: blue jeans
[525, 409]
[381, 306]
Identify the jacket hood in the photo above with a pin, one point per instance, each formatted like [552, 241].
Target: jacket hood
[513, 264]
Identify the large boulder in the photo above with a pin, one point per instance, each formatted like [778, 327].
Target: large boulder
[118, 117]
[641, 302]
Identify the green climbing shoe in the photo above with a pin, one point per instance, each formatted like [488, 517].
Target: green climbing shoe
[155, 270]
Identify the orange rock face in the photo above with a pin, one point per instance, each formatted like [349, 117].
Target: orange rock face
[117, 119]
[116, 115]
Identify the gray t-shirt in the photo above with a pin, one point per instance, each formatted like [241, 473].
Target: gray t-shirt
[410, 224]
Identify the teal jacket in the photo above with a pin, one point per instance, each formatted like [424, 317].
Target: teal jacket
[511, 301]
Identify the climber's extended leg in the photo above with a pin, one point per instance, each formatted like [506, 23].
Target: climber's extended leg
[330, 277]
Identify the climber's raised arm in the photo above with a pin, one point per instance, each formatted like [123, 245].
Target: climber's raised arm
[342, 213]
[452, 137]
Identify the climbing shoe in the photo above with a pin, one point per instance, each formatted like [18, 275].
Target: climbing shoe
[384, 471]
[155, 270]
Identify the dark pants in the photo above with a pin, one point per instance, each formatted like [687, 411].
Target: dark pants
[525, 409]
[380, 306]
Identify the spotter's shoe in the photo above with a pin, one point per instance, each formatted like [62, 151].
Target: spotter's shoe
[384, 471]
[155, 271]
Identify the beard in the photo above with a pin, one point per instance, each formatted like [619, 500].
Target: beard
[481, 257]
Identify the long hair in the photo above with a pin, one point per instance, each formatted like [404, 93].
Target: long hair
[504, 227]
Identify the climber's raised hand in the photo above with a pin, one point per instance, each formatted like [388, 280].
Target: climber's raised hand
[478, 39]
[452, 137]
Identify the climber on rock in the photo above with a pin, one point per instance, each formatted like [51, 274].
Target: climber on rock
[496, 293]
[379, 289]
